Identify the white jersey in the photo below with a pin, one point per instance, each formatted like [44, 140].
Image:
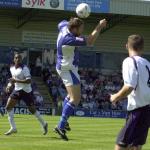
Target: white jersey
[21, 73]
[136, 74]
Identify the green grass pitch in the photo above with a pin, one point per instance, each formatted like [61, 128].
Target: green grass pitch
[86, 134]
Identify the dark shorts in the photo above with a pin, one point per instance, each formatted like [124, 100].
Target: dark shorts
[22, 95]
[135, 131]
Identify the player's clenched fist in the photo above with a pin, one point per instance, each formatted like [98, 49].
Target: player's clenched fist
[103, 23]
[114, 98]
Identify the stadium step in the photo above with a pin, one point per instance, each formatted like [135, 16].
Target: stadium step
[43, 90]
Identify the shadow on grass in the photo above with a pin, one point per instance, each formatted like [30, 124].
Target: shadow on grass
[57, 138]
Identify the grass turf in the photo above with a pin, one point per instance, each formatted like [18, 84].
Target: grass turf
[86, 134]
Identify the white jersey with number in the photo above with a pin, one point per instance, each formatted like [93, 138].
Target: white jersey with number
[139, 79]
[21, 73]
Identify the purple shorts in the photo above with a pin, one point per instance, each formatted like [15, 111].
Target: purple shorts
[22, 95]
[135, 131]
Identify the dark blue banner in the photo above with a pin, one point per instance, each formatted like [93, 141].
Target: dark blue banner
[100, 113]
[97, 6]
[11, 3]
[24, 110]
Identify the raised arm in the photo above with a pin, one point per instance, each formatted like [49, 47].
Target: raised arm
[94, 35]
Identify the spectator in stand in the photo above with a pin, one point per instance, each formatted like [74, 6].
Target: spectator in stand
[62, 91]
[38, 65]
[38, 98]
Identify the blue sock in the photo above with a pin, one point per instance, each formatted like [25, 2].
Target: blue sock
[66, 100]
[68, 110]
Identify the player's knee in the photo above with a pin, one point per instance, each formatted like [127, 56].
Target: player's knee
[32, 109]
[7, 108]
[75, 102]
[121, 146]
[136, 148]
[76, 98]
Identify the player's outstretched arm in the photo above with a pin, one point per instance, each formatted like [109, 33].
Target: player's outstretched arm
[123, 93]
[94, 35]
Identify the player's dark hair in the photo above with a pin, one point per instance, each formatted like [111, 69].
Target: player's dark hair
[75, 23]
[136, 42]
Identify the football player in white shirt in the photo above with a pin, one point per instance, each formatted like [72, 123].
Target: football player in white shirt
[136, 75]
[21, 80]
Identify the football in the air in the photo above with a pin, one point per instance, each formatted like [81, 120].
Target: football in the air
[83, 10]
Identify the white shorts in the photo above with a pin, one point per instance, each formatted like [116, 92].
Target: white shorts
[70, 77]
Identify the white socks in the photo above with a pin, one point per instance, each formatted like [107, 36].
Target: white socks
[11, 119]
[40, 119]
[12, 123]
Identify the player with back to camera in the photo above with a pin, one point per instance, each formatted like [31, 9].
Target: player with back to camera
[136, 76]
[21, 80]
[69, 38]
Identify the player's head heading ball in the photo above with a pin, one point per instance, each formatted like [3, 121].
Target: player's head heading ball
[135, 43]
[17, 59]
[76, 26]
